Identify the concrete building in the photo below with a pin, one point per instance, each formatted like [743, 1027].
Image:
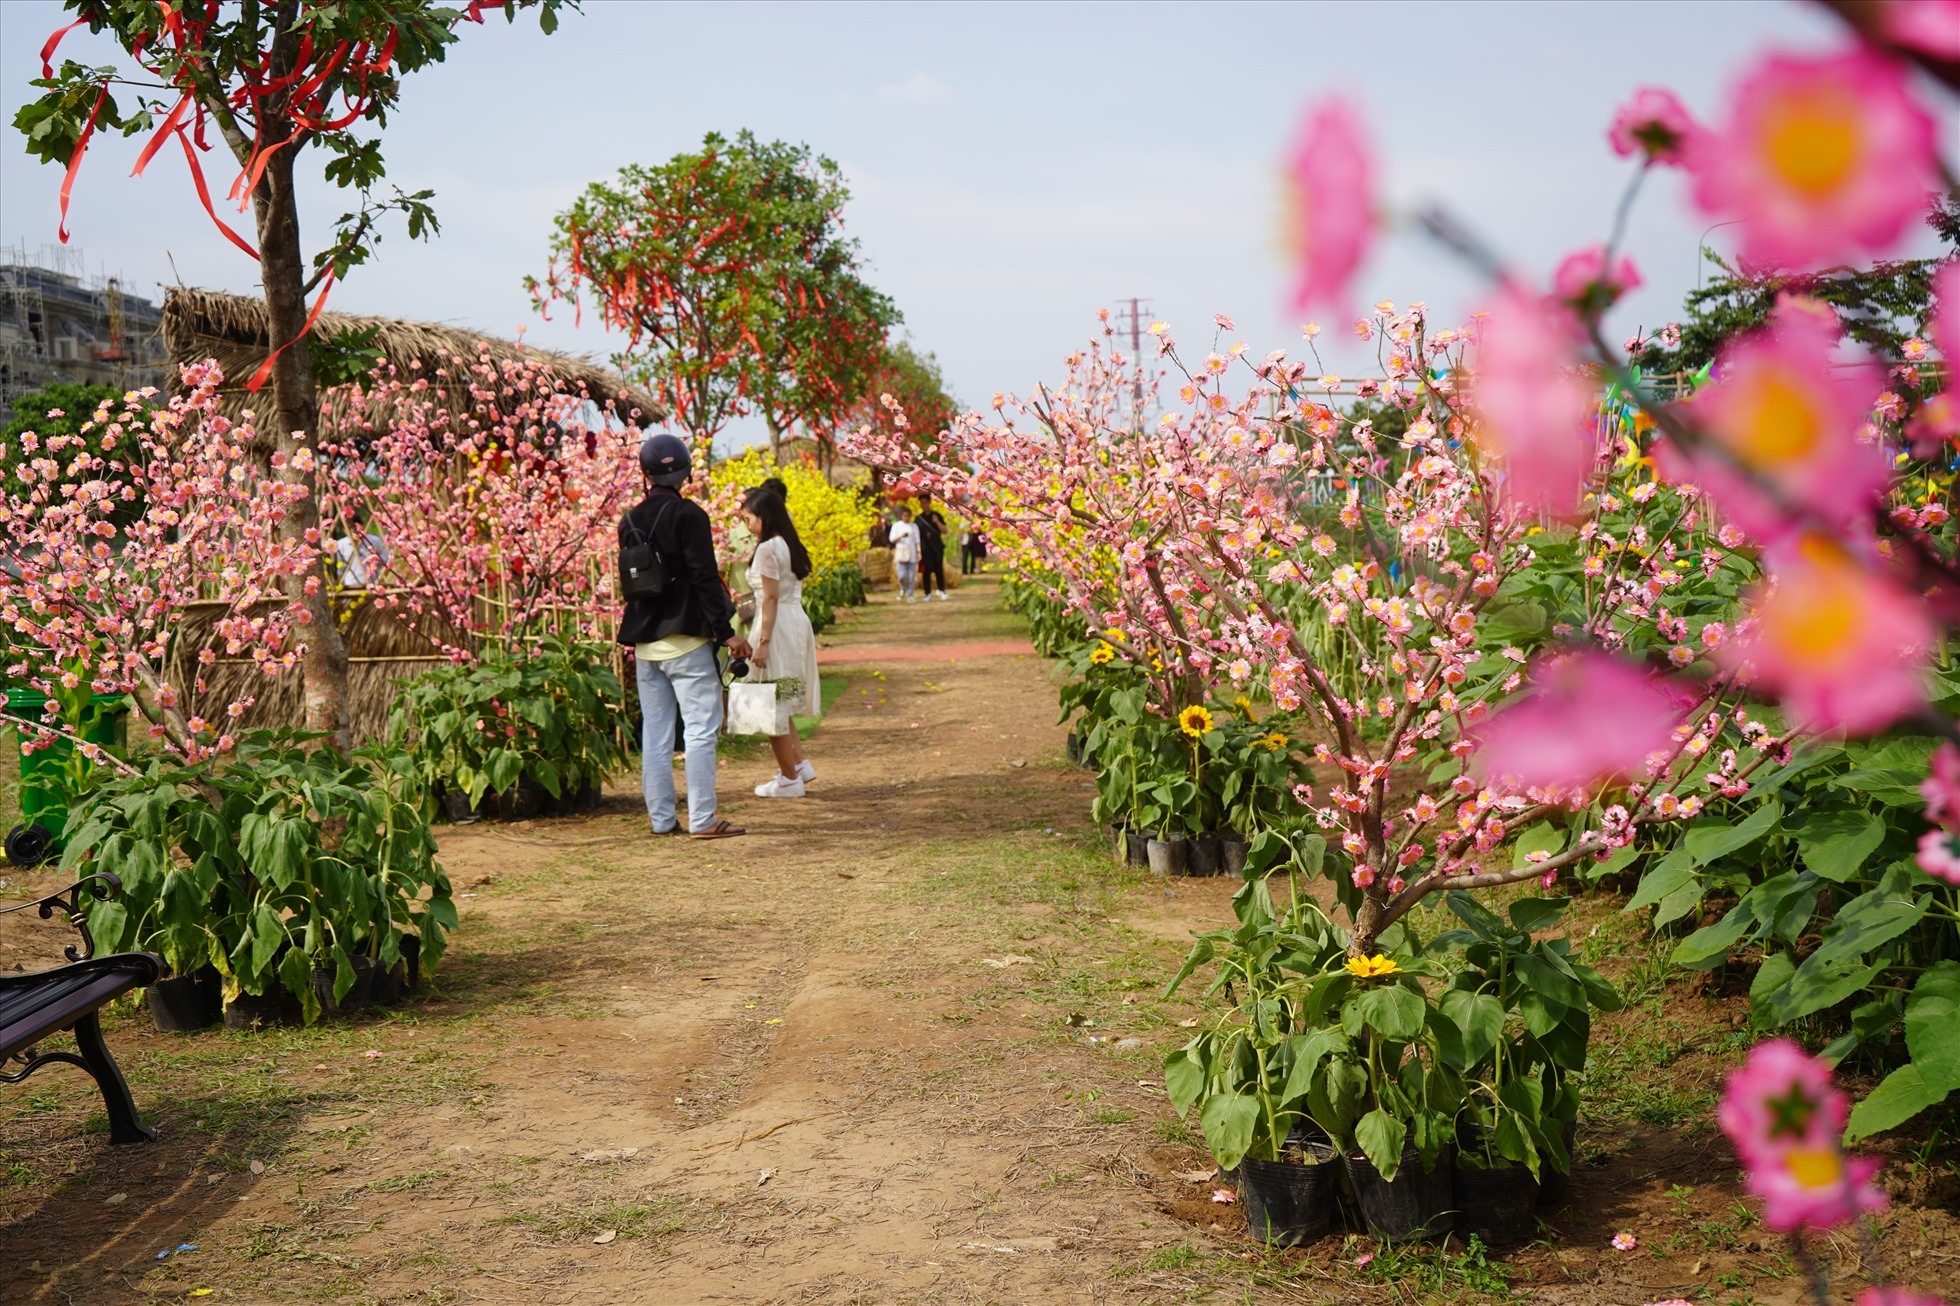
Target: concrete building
[58, 324]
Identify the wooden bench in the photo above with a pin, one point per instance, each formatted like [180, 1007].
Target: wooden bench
[40, 1003]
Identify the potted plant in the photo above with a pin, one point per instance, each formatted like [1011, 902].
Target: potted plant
[1248, 1075]
[295, 872]
[1524, 1007]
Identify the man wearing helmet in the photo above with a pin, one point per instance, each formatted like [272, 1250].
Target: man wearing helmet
[673, 635]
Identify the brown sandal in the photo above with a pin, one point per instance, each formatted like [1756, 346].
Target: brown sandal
[719, 830]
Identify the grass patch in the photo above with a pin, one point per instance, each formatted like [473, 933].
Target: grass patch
[645, 1218]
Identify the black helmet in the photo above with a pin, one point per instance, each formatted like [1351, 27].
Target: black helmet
[665, 460]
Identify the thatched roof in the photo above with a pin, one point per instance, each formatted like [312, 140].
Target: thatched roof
[200, 324]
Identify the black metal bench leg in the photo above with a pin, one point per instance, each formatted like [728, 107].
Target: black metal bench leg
[125, 1126]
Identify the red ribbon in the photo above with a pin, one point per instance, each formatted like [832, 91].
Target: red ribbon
[265, 368]
[171, 123]
[47, 51]
[204, 194]
[75, 159]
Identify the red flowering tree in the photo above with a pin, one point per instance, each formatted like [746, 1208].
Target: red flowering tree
[273, 83]
[729, 272]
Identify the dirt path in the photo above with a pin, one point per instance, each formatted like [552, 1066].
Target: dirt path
[899, 1044]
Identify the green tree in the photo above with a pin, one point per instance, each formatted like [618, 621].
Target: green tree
[912, 378]
[76, 405]
[276, 81]
[1880, 306]
[729, 271]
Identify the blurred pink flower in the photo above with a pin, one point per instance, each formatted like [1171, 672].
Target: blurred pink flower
[1928, 26]
[1624, 1241]
[1784, 1116]
[1823, 159]
[1944, 328]
[1886, 1295]
[1330, 178]
[1653, 123]
[1941, 788]
[1587, 716]
[1839, 642]
[1815, 1188]
[1939, 856]
[1534, 411]
[1787, 420]
[1584, 283]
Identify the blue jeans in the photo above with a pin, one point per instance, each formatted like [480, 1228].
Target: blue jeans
[690, 685]
[908, 575]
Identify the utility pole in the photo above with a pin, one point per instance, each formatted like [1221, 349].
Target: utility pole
[1135, 320]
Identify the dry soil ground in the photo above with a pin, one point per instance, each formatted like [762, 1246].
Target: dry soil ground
[900, 1044]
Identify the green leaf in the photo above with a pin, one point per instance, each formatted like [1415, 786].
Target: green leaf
[1543, 837]
[1676, 870]
[1534, 914]
[1479, 1018]
[1899, 1097]
[1390, 1010]
[1933, 1025]
[1819, 983]
[1873, 918]
[1229, 1121]
[1380, 1135]
[1477, 916]
[1708, 840]
[1836, 844]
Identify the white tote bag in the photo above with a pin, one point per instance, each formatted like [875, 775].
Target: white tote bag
[751, 708]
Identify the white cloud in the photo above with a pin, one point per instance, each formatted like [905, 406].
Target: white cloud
[919, 88]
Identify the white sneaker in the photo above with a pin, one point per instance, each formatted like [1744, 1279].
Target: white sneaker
[805, 772]
[780, 786]
[943, 598]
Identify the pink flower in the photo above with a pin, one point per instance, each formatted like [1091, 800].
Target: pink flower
[1624, 1241]
[1534, 412]
[1784, 1116]
[1944, 328]
[1824, 160]
[1886, 1295]
[1928, 26]
[1364, 1258]
[1787, 416]
[1652, 123]
[1941, 788]
[1587, 717]
[1224, 1196]
[1939, 856]
[1841, 644]
[1588, 286]
[1331, 180]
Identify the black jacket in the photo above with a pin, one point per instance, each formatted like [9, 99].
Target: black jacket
[695, 601]
[932, 535]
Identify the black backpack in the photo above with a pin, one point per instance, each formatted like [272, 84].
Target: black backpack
[643, 572]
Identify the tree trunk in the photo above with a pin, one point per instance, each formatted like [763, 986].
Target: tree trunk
[295, 412]
[775, 437]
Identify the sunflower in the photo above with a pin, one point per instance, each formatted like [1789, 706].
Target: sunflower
[1272, 743]
[1194, 721]
[1102, 655]
[1115, 635]
[1374, 967]
[1244, 705]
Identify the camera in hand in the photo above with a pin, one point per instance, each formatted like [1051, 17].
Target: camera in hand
[738, 667]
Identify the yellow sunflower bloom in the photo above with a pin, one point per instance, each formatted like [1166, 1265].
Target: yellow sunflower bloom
[1244, 705]
[1115, 635]
[1273, 743]
[1373, 967]
[1103, 654]
[1194, 721]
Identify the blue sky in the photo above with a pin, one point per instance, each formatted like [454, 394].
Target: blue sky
[1014, 167]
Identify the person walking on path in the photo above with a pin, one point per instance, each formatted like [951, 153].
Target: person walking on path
[905, 553]
[932, 549]
[673, 635]
[785, 643]
[973, 551]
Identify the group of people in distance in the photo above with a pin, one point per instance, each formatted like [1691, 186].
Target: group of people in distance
[677, 633]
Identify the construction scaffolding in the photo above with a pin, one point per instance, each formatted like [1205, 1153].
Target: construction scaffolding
[58, 324]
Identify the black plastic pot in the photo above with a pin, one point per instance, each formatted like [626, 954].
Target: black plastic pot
[1137, 847]
[183, 1003]
[1232, 852]
[356, 996]
[387, 984]
[1554, 1185]
[1074, 748]
[1207, 855]
[1170, 856]
[1416, 1205]
[1497, 1204]
[1288, 1204]
[254, 1011]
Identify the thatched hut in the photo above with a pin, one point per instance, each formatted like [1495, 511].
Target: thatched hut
[201, 324]
[384, 644]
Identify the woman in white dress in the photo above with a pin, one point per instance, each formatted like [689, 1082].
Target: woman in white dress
[785, 644]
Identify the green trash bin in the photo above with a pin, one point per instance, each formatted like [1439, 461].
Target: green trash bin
[43, 774]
